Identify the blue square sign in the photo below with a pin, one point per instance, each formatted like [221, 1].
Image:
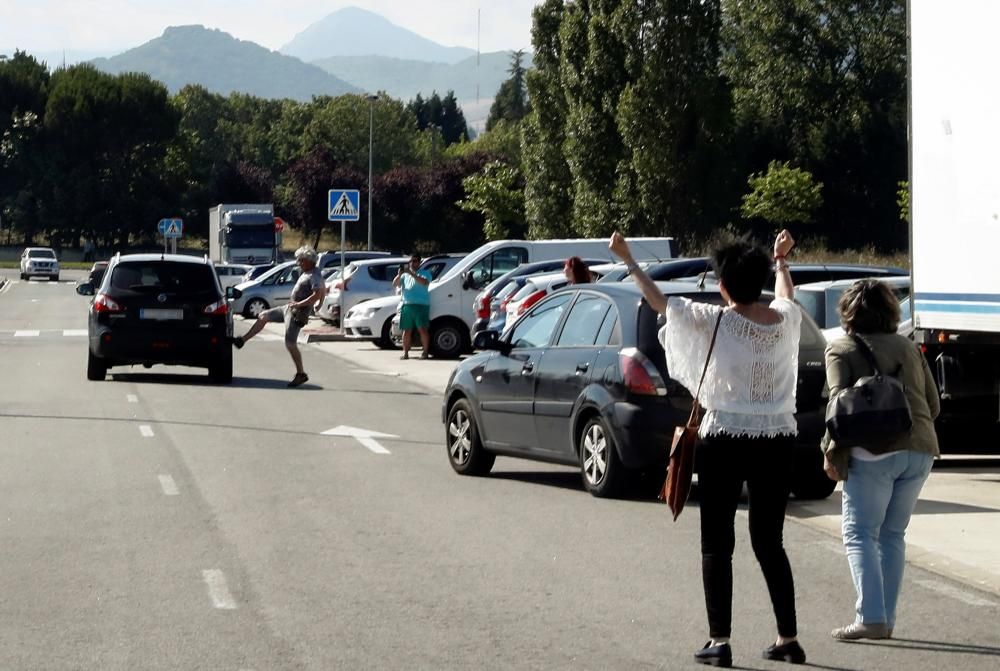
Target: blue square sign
[344, 205]
[171, 228]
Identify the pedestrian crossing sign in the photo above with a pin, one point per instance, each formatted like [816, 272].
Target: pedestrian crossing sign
[171, 228]
[344, 205]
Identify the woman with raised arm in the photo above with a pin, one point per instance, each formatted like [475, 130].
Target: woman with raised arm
[749, 424]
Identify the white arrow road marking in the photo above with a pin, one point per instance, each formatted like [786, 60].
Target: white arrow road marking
[218, 590]
[363, 436]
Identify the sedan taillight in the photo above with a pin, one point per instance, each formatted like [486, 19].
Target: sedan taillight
[217, 308]
[104, 303]
[529, 301]
[483, 306]
[639, 373]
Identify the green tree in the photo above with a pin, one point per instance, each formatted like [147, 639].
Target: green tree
[823, 83]
[498, 193]
[341, 125]
[548, 182]
[782, 196]
[443, 114]
[511, 102]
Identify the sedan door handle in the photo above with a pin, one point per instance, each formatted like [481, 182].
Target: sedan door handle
[582, 368]
[528, 369]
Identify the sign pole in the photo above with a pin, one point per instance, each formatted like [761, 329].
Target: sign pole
[343, 269]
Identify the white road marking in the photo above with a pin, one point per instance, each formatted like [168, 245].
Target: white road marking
[146, 430]
[218, 590]
[132, 398]
[75, 333]
[168, 485]
[270, 337]
[363, 436]
[26, 334]
[955, 593]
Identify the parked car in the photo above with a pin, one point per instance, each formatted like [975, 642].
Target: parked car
[820, 300]
[231, 274]
[257, 271]
[373, 319]
[535, 289]
[272, 289]
[360, 281]
[581, 379]
[37, 261]
[96, 274]
[159, 309]
[332, 259]
[661, 271]
[487, 301]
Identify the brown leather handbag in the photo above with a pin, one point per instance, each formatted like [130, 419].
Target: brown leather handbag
[680, 468]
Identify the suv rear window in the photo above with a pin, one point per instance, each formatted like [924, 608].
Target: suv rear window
[166, 276]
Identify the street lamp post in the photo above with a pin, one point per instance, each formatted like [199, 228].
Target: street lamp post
[371, 137]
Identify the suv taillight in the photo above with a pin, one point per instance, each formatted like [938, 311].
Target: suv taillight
[639, 373]
[104, 303]
[529, 301]
[217, 308]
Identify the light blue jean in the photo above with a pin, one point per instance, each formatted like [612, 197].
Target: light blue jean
[878, 499]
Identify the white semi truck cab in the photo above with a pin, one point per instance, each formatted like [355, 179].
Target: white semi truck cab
[243, 234]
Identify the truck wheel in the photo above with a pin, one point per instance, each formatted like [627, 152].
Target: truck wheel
[254, 307]
[447, 340]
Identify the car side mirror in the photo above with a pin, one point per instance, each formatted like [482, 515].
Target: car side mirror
[85, 289]
[466, 280]
[490, 340]
[232, 293]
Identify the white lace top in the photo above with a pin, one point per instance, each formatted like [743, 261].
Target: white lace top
[749, 389]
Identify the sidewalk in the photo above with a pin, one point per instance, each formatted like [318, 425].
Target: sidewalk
[954, 530]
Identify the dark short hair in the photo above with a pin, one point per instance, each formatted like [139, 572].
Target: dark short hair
[415, 257]
[869, 306]
[743, 268]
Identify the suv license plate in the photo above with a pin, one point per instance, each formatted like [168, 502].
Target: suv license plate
[157, 313]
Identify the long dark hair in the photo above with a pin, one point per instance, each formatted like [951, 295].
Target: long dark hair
[578, 270]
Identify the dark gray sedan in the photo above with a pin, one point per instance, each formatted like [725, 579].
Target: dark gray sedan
[581, 379]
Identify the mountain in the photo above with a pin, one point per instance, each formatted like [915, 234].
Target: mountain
[223, 64]
[357, 32]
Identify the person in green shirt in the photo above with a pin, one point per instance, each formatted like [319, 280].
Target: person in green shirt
[415, 313]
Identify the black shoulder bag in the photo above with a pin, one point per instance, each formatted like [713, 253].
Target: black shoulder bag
[873, 413]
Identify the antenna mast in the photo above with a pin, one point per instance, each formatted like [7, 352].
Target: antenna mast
[479, 34]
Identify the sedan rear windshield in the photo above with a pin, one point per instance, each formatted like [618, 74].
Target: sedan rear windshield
[165, 276]
[41, 254]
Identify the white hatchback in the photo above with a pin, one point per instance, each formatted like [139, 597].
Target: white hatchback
[37, 261]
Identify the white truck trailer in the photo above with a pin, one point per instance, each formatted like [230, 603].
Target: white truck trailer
[243, 234]
[955, 202]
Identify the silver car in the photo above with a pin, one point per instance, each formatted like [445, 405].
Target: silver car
[272, 289]
[231, 274]
[361, 281]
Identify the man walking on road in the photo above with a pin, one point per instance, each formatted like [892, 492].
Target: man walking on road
[415, 313]
[308, 291]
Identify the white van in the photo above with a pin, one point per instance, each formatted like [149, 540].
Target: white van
[452, 296]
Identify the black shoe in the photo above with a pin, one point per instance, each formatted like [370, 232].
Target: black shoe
[299, 380]
[715, 655]
[238, 342]
[789, 652]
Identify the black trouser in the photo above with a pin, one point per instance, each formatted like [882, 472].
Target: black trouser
[724, 464]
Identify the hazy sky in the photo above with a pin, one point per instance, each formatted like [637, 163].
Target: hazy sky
[114, 25]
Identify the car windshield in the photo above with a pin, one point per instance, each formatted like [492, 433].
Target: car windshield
[41, 254]
[165, 276]
[250, 236]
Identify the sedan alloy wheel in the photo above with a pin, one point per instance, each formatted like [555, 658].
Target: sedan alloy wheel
[599, 464]
[465, 449]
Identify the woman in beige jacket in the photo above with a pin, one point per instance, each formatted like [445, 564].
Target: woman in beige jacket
[881, 484]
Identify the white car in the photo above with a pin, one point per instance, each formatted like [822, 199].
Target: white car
[39, 261]
[231, 274]
[819, 300]
[534, 290]
[360, 281]
[372, 320]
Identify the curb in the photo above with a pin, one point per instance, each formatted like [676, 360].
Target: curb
[3, 282]
[327, 337]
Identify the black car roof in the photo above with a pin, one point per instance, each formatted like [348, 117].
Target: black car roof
[173, 258]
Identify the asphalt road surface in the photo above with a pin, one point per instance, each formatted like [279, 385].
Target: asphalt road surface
[156, 521]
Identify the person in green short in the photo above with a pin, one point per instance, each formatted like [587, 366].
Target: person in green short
[415, 313]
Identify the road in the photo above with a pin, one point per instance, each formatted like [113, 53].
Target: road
[155, 521]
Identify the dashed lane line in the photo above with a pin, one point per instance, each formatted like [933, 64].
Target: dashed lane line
[26, 334]
[75, 333]
[218, 591]
[168, 485]
[146, 430]
[132, 398]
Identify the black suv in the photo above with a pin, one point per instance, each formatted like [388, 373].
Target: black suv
[153, 308]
